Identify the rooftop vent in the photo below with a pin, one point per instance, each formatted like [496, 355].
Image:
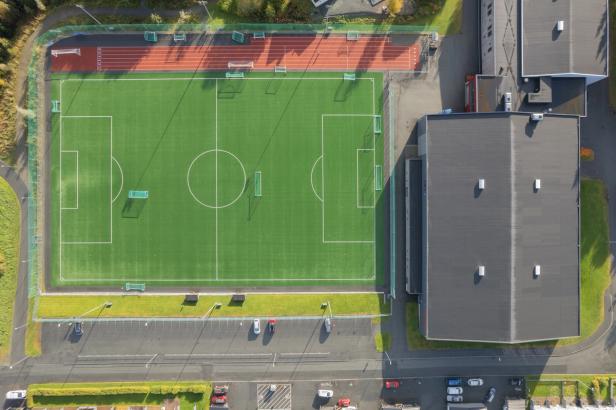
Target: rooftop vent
[560, 25]
[537, 184]
[481, 271]
[537, 116]
[537, 271]
[482, 184]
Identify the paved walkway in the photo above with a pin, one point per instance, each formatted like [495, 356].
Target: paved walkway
[20, 313]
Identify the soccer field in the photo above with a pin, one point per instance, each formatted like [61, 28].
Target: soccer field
[262, 181]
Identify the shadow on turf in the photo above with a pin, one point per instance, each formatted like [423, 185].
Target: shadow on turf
[133, 208]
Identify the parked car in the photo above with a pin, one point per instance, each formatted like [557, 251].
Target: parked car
[455, 390]
[16, 395]
[328, 325]
[256, 326]
[219, 399]
[325, 394]
[392, 384]
[475, 382]
[221, 390]
[271, 326]
[454, 398]
[490, 395]
[344, 402]
[78, 329]
[454, 381]
[516, 381]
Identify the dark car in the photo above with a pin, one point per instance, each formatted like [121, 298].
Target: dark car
[454, 381]
[490, 395]
[271, 326]
[78, 329]
[516, 381]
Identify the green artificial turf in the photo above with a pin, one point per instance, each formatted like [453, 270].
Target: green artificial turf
[196, 145]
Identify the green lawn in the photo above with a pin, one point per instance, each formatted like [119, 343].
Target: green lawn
[9, 260]
[448, 19]
[33, 347]
[268, 180]
[118, 394]
[549, 385]
[595, 277]
[277, 305]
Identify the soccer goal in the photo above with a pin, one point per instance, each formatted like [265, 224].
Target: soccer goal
[378, 124]
[63, 51]
[258, 191]
[140, 287]
[241, 65]
[258, 34]
[150, 36]
[238, 37]
[280, 69]
[352, 35]
[138, 194]
[378, 178]
[234, 74]
[179, 36]
[349, 76]
[55, 106]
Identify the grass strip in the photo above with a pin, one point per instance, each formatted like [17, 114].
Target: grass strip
[33, 333]
[277, 305]
[549, 385]
[9, 258]
[382, 341]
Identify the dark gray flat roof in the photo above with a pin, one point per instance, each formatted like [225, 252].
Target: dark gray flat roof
[508, 227]
[580, 48]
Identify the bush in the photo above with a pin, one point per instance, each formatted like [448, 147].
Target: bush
[395, 6]
[156, 19]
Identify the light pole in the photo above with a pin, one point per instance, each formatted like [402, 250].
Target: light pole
[104, 305]
[216, 305]
[79, 6]
[204, 4]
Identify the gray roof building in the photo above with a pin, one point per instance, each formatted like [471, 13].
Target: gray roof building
[564, 37]
[500, 227]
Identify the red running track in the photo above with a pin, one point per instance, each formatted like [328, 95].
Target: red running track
[293, 52]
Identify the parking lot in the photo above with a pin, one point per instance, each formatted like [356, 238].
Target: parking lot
[428, 393]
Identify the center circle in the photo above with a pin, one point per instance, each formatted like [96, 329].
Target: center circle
[216, 178]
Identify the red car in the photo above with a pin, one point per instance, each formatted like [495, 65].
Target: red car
[219, 399]
[344, 402]
[221, 390]
[392, 384]
[271, 326]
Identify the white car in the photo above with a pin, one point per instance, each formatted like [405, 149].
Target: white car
[256, 326]
[16, 395]
[454, 399]
[475, 382]
[325, 394]
[454, 390]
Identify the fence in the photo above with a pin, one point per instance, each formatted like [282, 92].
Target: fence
[36, 103]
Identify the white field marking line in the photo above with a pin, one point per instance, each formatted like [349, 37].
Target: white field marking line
[357, 179]
[218, 354]
[323, 180]
[211, 78]
[349, 279]
[216, 151]
[60, 190]
[110, 241]
[123, 293]
[76, 178]
[216, 174]
[374, 230]
[110, 356]
[312, 176]
[121, 180]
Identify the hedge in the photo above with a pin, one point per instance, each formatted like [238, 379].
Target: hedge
[114, 389]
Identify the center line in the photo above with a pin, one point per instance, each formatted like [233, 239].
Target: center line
[216, 173]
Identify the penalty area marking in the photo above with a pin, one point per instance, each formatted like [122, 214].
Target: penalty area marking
[312, 178]
[121, 179]
[195, 196]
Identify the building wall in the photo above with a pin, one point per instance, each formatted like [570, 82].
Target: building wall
[422, 133]
[487, 37]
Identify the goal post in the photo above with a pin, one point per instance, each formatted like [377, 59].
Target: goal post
[258, 34]
[352, 35]
[349, 76]
[378, 124]
[140, 287]
[63, 51]
[378, 178]
[238, 37]
[55, 106]
[138, 194]
[150, 36]
[241, 64]
[258, 191]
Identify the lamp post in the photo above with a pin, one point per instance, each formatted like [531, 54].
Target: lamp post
[216, 305]
[79, 6]
[204, 4]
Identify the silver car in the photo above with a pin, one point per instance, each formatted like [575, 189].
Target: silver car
[454, 399]
[328, 325]
[454, 390]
